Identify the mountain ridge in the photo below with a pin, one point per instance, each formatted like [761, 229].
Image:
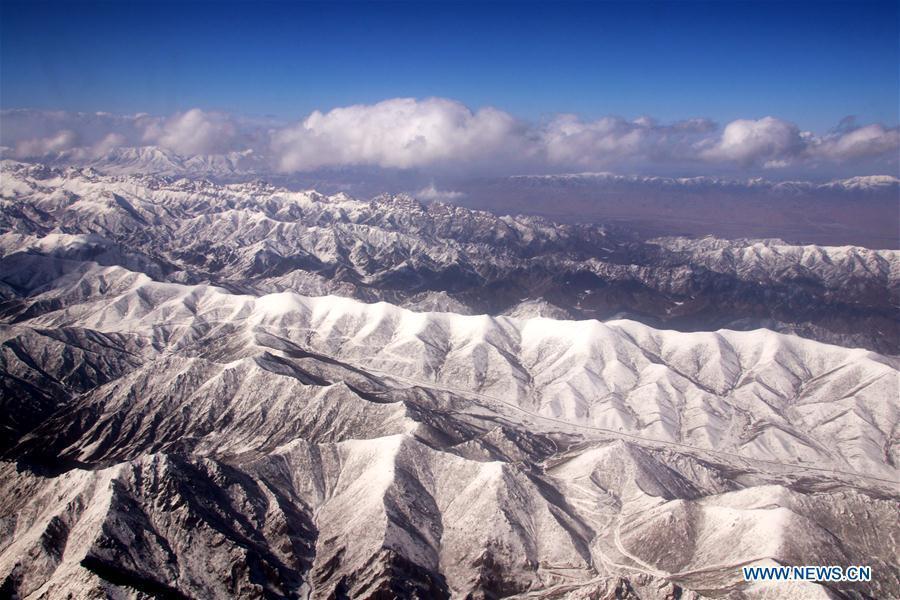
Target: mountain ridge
[213, 391]
[214, 354]
[260, 238]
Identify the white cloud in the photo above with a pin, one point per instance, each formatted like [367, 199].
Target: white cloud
[64, 139]
[109, 142]
[34, 132]
[748, 142]
[408, 133]
[571, 142]
[400, 133]
[776, 164]
[444, 135]
[193, 132]
[779, 144]
[431, 193]
[862, 142]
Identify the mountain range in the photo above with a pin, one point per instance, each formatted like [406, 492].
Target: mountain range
[239, 165]
[238, 390]
[258, 238]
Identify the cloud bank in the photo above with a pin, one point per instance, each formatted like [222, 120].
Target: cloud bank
[431, 193]
[401, 133]
[443, 134]
[747, 142]
[193, 132]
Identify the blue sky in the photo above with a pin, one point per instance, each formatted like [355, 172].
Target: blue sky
[778, 89]
[808, 63]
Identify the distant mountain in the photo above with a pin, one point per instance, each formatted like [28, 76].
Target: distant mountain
[257, 238]
[155, 160]
[854, 211]
[862, 183]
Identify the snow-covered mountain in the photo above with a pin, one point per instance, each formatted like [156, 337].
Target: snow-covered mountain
[204, 443]
[156, 160]
[257, 238]
[213, 391]
[859, 183]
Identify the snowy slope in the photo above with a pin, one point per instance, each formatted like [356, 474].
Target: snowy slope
[352, 448]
